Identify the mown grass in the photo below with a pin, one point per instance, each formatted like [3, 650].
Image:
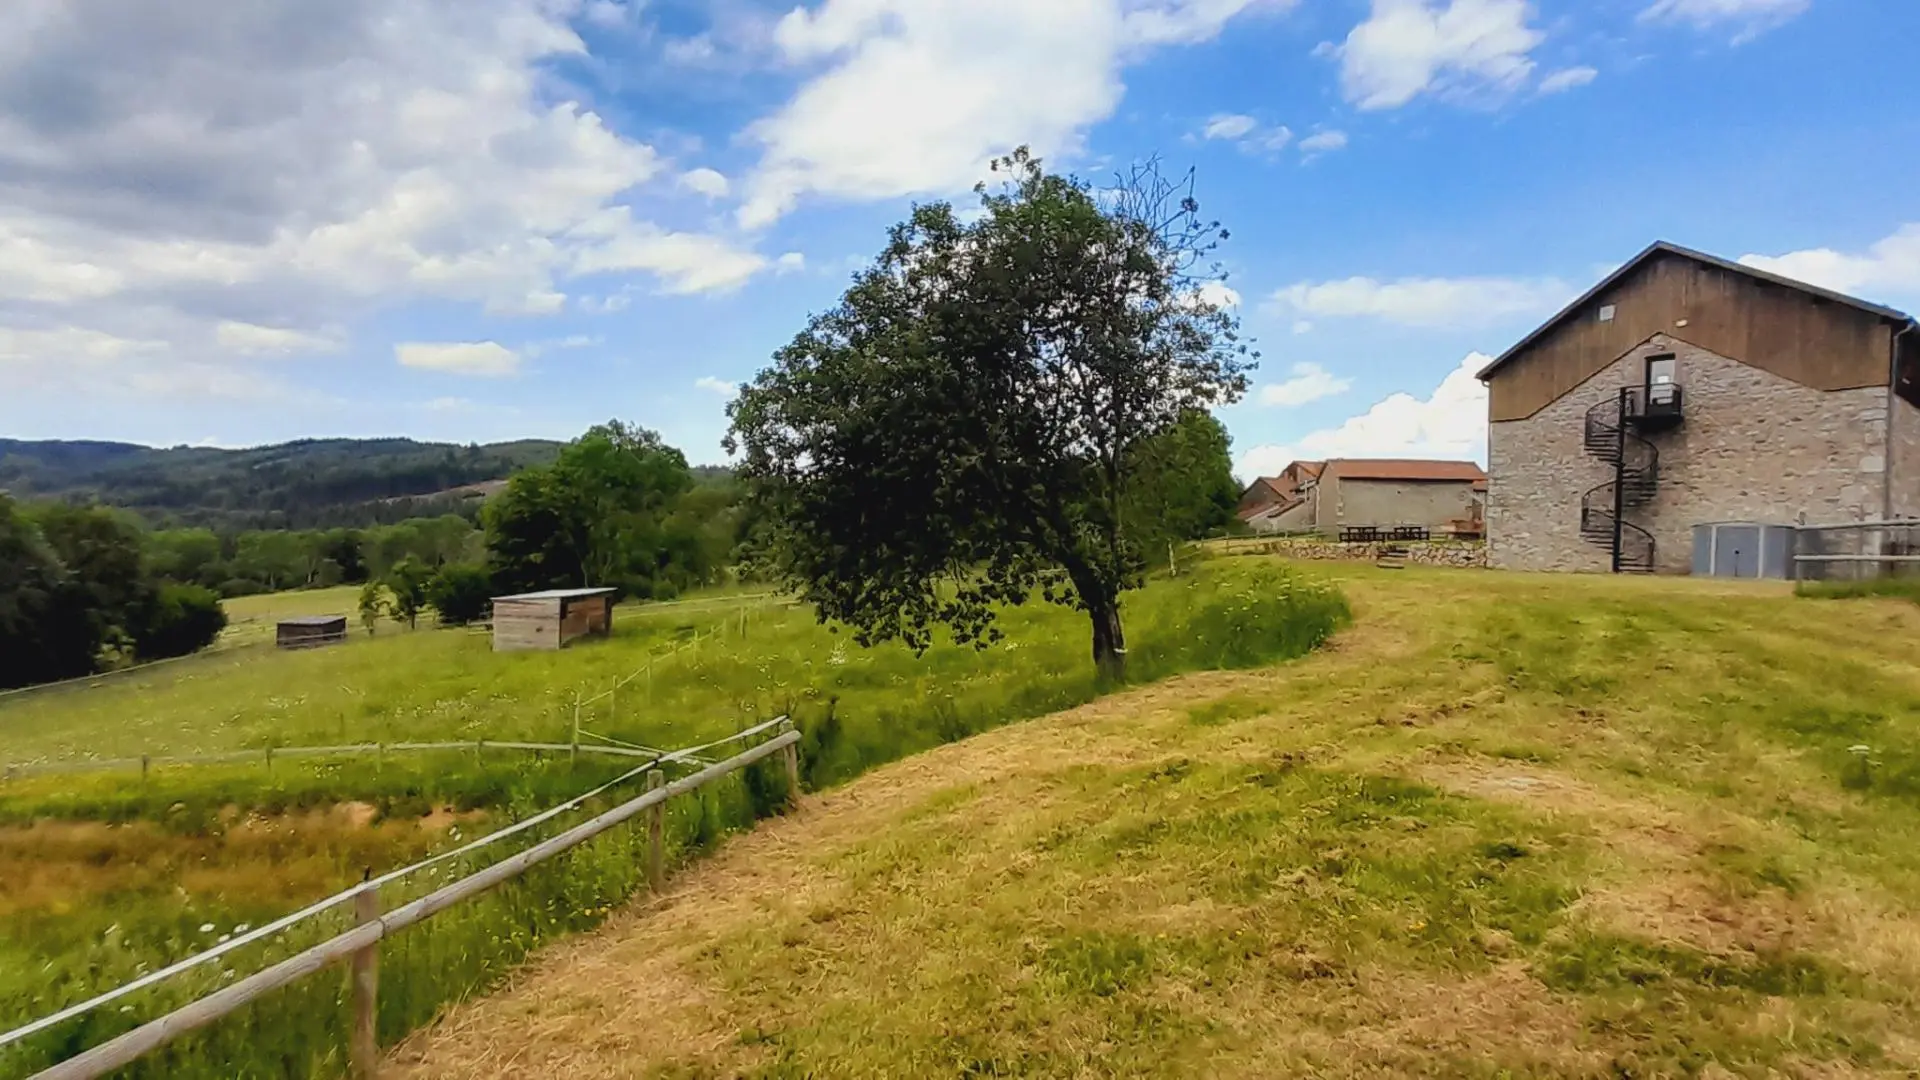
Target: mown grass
[1505, 826]
[714, 668]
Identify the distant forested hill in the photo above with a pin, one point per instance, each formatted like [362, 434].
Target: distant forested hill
[307, 484]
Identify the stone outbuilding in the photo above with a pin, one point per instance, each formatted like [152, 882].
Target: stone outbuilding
[1381, 494]
[1686, 389]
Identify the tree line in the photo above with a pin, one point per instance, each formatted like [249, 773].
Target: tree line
[77, 594]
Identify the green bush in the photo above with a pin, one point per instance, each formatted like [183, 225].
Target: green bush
[177, 621]
[461, 594]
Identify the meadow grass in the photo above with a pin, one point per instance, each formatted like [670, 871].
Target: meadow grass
[1904, 588]
[129, 871]
[1505, 825]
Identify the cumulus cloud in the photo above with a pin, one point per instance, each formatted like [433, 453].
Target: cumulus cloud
[302, 164]
[1450, 422]
[1323, 142]
[1228, 126]
[916, 96]
[1458, 48]
[716, 386]
[1309, 383]
[1567, 79]
[1890, 266]
[1747, 18]
[489, 359]
[1427, 302]
[709, 182]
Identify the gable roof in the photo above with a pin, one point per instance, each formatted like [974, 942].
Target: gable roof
[1403, 469]
[1661, 247]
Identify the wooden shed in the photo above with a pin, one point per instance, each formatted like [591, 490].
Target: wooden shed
[310, 631]
[550, 619]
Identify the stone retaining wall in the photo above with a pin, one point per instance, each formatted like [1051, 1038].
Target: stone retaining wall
[1419, 553]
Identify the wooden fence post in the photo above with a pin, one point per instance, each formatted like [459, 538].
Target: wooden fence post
[790, 755]
[145, 763]
[365, 1048]
[573, 755]
[657, 834]
[269, 761]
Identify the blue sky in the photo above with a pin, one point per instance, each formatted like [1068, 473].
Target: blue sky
[487, 219]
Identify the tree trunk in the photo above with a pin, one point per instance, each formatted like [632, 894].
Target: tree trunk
[1109, 640]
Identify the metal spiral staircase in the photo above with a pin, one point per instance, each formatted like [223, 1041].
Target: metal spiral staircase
[1613, 435]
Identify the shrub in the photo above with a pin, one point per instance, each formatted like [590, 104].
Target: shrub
[233, 587]
[461, 594]
[176, 621]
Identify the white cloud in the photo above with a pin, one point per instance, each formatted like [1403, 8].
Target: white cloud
[1456, 48]
[685, 263]
[916, 96]
[1748, 18]
[488, 359]
[791, 262]
[1323, 142]
[1310, 383]
[304, 166]
[1568, 79]
[1889, 266]
[1228, 126]
[1219, 294]
[1451, 422]
[1247, 133]
[716, 386]
[250, 339]
[534, 349]
[709, 182]
[1428, 302]
[1302, 326]
[607, 14]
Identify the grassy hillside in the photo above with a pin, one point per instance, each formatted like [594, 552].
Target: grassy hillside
[1506, 825]
[104, 874]
[315, 482]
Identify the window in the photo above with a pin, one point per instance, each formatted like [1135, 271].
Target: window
[1606, 312]
[1661, 370]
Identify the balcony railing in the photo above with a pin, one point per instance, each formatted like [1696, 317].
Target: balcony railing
[1653, 407]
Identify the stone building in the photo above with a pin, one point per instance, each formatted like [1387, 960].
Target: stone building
[1382, 493]
[1683, 390]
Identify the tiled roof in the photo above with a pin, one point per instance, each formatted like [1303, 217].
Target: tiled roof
[1404, 469]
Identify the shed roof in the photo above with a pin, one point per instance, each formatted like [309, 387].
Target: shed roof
[313, 620]
[1404, 469]
[1661, 247]
[556, 594]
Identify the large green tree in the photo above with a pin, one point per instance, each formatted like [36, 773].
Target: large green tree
[965, 426]
[594, 517]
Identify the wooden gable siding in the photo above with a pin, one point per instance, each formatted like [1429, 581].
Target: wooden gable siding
[1794, 335]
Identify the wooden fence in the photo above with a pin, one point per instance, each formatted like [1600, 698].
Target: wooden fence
[360, 945]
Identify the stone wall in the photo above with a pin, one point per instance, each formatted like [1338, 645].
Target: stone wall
[1905, 473]
[1427, 553]
[1753, 447]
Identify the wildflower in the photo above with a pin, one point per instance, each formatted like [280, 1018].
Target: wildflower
[206, 928]
[241, 929]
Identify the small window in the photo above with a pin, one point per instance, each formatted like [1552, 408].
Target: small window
[1606, 312]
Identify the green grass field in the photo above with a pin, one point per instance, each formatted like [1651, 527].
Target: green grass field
[1505, 825]
[105, 874]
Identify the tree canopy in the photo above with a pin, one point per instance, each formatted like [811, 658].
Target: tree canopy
[618, 507]
[973, 420]
[75, 591]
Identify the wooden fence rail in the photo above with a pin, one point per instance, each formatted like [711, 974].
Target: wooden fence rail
[360, 944]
